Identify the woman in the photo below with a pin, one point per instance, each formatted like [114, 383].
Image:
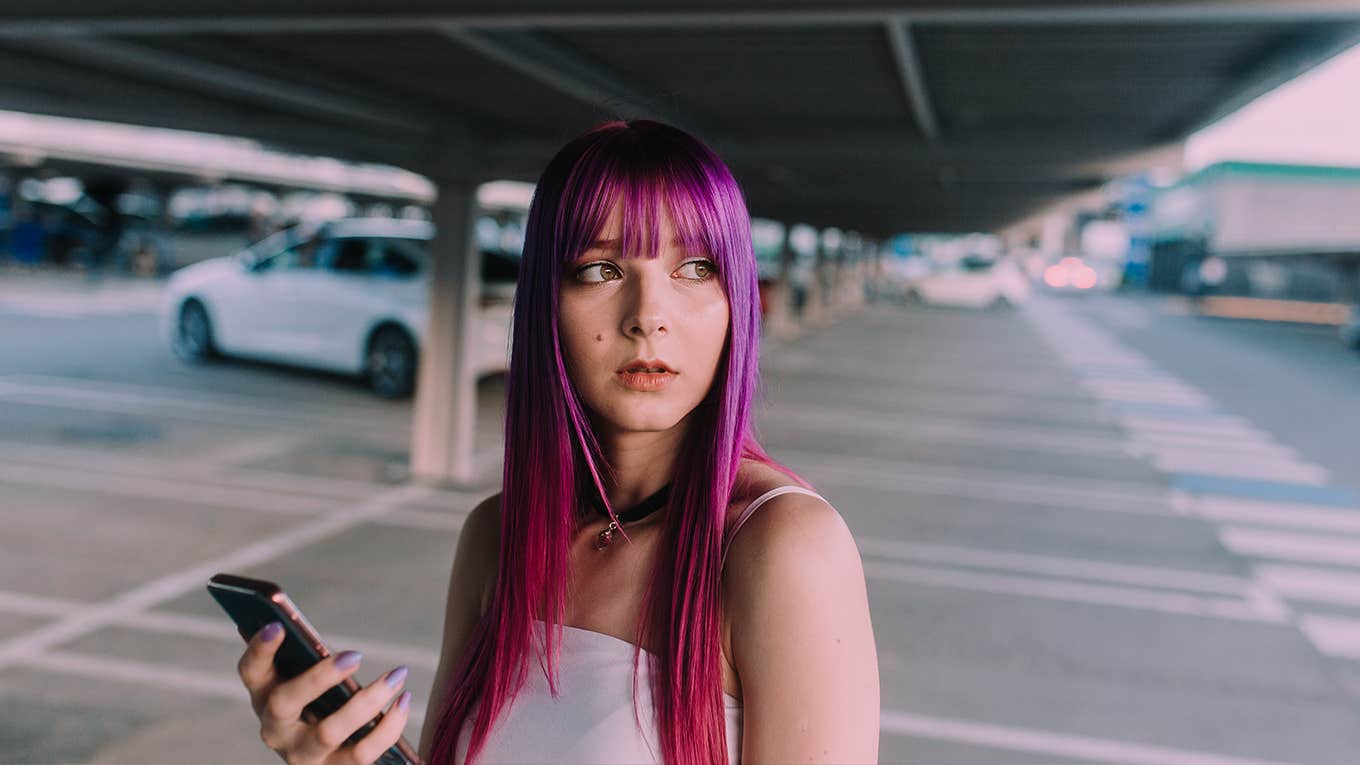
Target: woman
[629, 468]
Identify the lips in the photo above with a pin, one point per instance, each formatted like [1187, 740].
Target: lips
[647, 375]
[646, 366]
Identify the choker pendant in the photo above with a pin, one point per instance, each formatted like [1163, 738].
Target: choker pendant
[607, 536]
[647, 507]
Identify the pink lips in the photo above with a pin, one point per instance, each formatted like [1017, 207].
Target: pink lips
[646, 375]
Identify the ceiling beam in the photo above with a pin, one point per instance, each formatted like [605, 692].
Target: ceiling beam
[569, 72]
[174, 69]
[228, 20]
[912, 78]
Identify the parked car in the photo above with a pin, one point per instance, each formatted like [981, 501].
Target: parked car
[350, 296]
[971, 282]
[1350, 331]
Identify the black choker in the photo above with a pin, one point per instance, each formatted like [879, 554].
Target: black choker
[643, 509]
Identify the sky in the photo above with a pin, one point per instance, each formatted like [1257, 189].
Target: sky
[1313, 119]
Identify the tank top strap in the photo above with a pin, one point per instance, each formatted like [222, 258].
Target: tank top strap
[754, 506]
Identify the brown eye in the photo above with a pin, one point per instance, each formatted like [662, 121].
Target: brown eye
[699, 270]
[596, 273]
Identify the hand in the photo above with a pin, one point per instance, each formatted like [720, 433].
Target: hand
[279, 705]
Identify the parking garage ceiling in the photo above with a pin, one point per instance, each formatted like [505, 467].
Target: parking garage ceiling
[875, 116]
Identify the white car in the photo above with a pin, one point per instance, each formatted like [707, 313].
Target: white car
[972, 282]
[348, 296]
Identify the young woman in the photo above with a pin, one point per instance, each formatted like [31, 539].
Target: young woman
[603, 607]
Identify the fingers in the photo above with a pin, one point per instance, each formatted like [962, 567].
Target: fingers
[287, 699]
[381, 738]
[332, 732]
[256, 666]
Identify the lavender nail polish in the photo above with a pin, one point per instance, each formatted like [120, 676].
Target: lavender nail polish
[270, 631]
[348, 659]
[404, 701]
[395, 677]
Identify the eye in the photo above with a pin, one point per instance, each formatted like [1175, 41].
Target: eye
[597, 273]
[699, 270]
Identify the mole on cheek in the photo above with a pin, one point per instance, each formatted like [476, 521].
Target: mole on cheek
[599, 338]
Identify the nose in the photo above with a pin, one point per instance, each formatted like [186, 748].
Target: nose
[647, 313]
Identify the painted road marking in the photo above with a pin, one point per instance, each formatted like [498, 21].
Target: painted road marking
[1319, 585]
[1048, 565]
[151, 594]
[1279, 491]
[1077, 592]
[1286, 514]
[1333, 635]
[1290, 545]
[1050, 743]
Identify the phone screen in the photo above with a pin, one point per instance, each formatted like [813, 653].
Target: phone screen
[253, 603]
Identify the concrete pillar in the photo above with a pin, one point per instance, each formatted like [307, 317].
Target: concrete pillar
[779, 321]
[445, 411]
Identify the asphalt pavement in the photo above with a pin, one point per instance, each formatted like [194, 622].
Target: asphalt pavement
[1094, 531]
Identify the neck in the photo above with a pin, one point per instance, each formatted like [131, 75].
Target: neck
[643, 462]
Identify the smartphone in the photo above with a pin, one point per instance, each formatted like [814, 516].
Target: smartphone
[253, 603]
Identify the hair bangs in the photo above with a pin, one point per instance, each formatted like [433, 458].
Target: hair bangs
[625, 176]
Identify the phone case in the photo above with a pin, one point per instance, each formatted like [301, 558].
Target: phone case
[253, 603]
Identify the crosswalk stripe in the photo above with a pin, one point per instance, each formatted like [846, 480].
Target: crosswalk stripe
[1316, 585]
[1336, 636]
[1289, 545]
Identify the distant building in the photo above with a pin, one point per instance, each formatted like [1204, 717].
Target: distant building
[1267, 230]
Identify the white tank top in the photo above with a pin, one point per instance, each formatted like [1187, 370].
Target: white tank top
[591, 720]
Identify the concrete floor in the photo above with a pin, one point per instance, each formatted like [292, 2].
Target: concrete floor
[1083, 543]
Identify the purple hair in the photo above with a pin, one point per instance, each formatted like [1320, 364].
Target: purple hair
[552, 455]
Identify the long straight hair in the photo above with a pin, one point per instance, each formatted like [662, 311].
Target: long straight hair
[552, 454]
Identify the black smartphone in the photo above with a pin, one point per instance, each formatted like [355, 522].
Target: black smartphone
[253, 603]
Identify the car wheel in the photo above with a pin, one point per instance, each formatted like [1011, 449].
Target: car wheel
[194, 333]
[390, 363]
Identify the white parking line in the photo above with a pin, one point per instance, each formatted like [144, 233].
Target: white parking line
[140, 487]
[211, 628]
[1239, 465]
[1051, 744]
[1235, 444]
[1222, 427]
[1288, 545]
[220, 685]
[954, 431]
[1333, 635]
[120, 608]
[217, 684]
[1319, 585]
[1075, 568]
[131, 465]
[1308, 517]
[124, 398]
[1075, 592]
[914, 478]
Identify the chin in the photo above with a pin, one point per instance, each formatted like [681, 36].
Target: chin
[646, 417]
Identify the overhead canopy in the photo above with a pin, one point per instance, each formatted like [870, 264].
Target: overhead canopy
[889, 117]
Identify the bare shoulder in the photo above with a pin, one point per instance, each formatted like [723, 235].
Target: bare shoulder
[479, 548]
[795, 593]
[471, 584]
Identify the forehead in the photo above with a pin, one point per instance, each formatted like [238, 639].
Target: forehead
[612, 234]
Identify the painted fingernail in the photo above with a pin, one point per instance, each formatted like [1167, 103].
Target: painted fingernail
[270, 631]
[395, 677]
[404, 701]
[348, 659]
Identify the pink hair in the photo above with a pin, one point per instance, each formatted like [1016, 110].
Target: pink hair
[551, 450]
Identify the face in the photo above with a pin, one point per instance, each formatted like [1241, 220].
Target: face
[641, 337]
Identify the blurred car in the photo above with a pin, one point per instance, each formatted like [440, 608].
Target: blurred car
[349, 296]
[1350, 331]
[971, 282]
[1071, 274]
